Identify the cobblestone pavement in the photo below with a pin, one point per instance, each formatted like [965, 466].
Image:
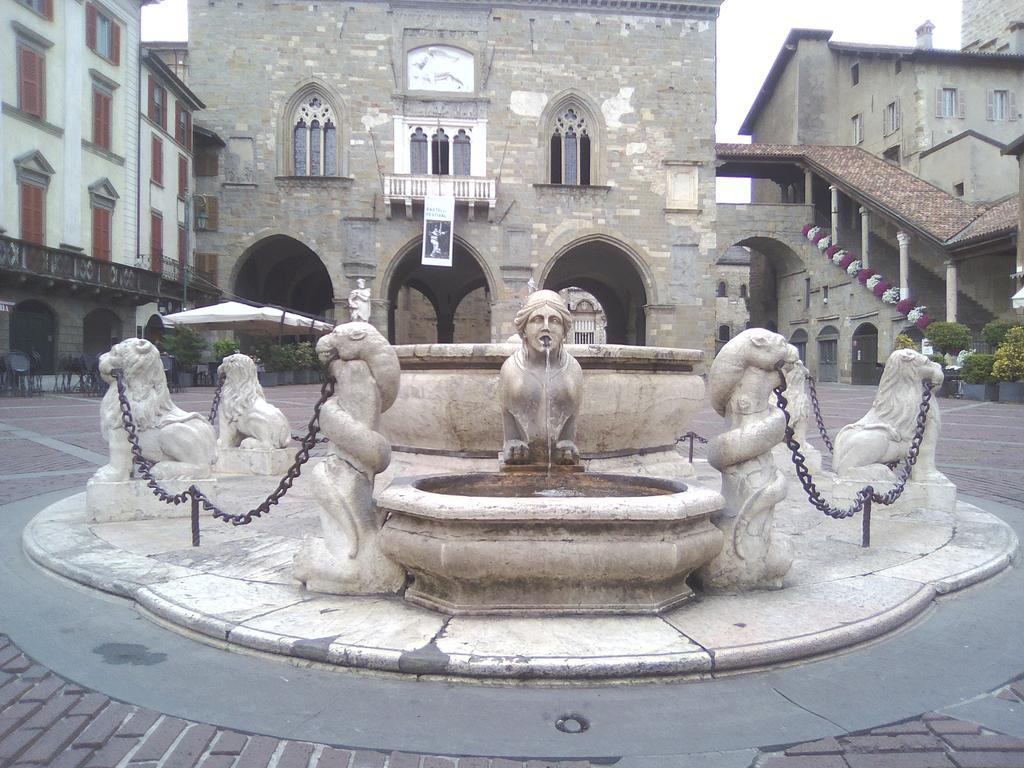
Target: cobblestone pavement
[51, 443]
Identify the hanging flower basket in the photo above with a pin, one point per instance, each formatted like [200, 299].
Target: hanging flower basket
[916, 313]
[824, 243]
[881, 287]
[905, 306]
[847, 260]
[874, 280]
[838, 256]
[831, 251]
[923, 322]
[891, 296]
[806, 228]
[863, 275]
[820, 235]
[812, 233]
[853, 268]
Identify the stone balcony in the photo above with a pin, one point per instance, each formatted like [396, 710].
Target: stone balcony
[406, 189]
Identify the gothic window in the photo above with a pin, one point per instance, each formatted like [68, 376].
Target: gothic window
[721, 290]
[418, 152]
[460, 154]
[439, 153]
[570, 150]
[314, 139]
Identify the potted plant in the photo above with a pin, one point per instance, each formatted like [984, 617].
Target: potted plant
[223, 348]
[977, 375]
[1008, 368]
[995, 332]
[187, 347]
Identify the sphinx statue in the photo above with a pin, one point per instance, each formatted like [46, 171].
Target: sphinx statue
[541, 387]
[347, 558]
[740, 384]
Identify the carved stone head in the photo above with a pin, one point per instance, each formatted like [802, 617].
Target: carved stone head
[543, 322]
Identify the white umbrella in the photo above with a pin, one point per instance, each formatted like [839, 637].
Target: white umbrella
[233, 315]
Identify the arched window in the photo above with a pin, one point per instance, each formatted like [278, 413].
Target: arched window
[460, 154]
[418, 152]
[743, 290]
[721, 290]
[314, 139]
[439, 153]
[570, 149]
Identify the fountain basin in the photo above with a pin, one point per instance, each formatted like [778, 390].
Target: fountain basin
[636, 400]
[488, 544]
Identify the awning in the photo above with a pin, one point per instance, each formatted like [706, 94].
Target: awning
[235, 316]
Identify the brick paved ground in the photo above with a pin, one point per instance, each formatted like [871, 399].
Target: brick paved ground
[51, 443]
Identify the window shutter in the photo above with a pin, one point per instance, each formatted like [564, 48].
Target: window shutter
[188, 130]
[30, 70]
[961, 108]
[152, 99]
[990, 105]
[899, 114]
[211, 213]
[48, 9]
[157, 171]
[938, 102]
[97, 118]
[32, 214]
[101, 233]
[115, 42]
[182, 176]
[1011, 102]
[177, 122]
[90, 26]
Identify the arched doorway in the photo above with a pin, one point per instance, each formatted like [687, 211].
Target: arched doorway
[154, 330]
[828, 354]
[439, 304]
[33, 331]
[609, 273]
[864, 356]
[774, 270]
[280, 270]
[799, 340]
[101, 329]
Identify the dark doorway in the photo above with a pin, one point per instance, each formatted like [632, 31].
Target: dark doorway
[828, 354]
[101, 329]
[799, 340]
[864, 355]
[606, 271]
[33, 331]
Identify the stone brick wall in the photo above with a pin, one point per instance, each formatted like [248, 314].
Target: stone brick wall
[648, 79]
[985, 20]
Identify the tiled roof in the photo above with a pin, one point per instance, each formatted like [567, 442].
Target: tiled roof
[999, 219]
[879, 183]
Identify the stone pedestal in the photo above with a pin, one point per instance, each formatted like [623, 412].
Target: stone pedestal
[134, 500]
[242, 461]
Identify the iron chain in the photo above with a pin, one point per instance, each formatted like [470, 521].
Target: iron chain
[215, 406]
[144, 466]
[867, 492]
[817, 414]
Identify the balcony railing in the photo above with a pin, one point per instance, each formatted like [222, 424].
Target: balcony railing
[407, 188]
[75, 268]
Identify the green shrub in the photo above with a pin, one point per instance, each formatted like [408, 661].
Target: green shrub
[996, 331]
[940, 359]
[305, 356]
[977, 369]
[186, 345]
[904, 342]
[949, 338]
[224, 347]
[1009, 358]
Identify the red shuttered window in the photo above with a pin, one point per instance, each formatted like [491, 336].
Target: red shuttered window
[102, 34]
[31, 81]
[101, 233]
[101, 110]
[182, 176]
[33, 212]
[156, 240]
[157, 170]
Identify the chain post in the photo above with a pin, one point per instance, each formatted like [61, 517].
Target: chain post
[194, 494]
[691, 436]
[865, 529]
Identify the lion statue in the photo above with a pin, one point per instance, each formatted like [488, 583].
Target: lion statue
[740, 384]
[177, 443]
[245, 418]
[884, 434]
[348, 559]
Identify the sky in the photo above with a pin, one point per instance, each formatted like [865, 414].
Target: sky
[750, 34]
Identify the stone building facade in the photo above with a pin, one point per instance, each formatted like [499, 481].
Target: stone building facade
[989, 25]
[576, 138]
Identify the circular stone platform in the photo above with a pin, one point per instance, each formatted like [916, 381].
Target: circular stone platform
[237, 588]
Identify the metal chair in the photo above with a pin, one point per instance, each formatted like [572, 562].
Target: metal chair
[19, 368]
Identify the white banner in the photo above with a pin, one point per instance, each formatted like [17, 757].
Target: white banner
[438, 221]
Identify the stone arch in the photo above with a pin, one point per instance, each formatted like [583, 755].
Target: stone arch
[864, 362]
[615, 274]
[280, 269]
[771, 259]
[305, 90]
[799, 340]
[573, 98]
[444, 287]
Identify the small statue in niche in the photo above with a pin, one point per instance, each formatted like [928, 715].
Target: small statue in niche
[359, 302]
[541, 387]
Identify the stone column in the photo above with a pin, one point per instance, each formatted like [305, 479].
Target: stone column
[865, 238]
[951, 289]
[904, 241]
[835, 214]
[809, 188]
